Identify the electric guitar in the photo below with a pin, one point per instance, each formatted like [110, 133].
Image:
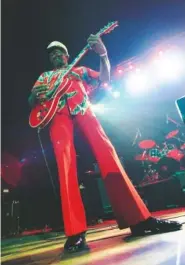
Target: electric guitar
[45, 110]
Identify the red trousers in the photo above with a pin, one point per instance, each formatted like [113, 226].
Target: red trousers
[127, 205]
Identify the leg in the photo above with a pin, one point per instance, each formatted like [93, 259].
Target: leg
[128, 207]
[61, 133]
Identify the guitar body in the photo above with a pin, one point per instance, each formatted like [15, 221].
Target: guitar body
[43, 113]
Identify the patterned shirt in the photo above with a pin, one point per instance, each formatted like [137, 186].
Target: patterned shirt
[83, 79]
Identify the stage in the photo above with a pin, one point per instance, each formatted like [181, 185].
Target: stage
[108, 245]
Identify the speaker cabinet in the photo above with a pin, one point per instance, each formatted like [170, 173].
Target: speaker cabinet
[163, 195]
[95, 198]
[10, 218]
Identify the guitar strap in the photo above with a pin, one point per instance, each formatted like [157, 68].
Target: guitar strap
[47, 165]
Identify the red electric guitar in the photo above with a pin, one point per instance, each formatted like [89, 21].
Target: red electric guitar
[44, 111]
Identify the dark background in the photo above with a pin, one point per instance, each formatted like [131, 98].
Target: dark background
[27, 28]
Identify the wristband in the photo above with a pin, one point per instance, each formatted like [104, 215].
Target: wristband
[103, 54]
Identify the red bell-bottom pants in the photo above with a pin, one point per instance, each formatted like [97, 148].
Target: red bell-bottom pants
[128, 207]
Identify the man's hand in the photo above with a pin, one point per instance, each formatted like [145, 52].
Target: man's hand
[97, 45]
[40, 90]
[38, 95]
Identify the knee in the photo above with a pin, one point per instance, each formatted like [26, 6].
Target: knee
[109, 150]
[112, 149]
[61, 144]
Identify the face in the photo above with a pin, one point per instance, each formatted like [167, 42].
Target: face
[58, 58]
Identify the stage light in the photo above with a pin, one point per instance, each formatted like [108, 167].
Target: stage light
[170, 66]
[116, 94]
[98, 108]
[138, 70]
[120, 71]
[105, 84]
[160, 53]
[136, 83]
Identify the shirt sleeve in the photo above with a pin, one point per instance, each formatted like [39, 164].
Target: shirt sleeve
[91, 77]
[40, 81]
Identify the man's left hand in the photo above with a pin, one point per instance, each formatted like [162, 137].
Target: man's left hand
[96, 44]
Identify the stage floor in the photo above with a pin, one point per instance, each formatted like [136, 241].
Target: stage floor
[108, 245]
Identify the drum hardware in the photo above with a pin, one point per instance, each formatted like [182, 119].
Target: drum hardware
[138, 134]
[172, 121]
[163, 161]
[154, 155]
[159, 163]
[142, 157]
[179, 140]
[182, 147]
[150, 175]
[173, 151]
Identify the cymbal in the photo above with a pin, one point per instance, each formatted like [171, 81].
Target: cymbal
[146, 144]
[172, 134]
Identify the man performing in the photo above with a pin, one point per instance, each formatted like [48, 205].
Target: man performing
[75, 109]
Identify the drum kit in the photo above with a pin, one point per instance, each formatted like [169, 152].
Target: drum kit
[162, 162]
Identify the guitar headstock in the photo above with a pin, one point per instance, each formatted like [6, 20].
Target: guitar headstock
[108, 28]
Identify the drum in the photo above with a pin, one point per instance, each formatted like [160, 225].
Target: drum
[182, 163]
[154, 155]
[175, 154]
[167, 149]
[167, 167]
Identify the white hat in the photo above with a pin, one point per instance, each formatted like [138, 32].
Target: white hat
[59, 45]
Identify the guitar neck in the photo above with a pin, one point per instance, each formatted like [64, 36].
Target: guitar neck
[77, 59]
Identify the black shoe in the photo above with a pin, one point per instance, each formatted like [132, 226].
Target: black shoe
[76, 243]
[154, 226]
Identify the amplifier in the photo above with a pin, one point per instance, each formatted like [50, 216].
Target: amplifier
[163, 195]
[180, 175]
[95, 198]
[10, 218]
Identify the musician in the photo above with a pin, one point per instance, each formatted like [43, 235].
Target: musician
[75, 110]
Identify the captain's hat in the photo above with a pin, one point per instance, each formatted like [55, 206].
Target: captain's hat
[59, 45]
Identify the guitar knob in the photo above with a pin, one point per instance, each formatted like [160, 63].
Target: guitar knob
[38, 114]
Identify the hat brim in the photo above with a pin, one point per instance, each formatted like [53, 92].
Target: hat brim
[49, 50]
